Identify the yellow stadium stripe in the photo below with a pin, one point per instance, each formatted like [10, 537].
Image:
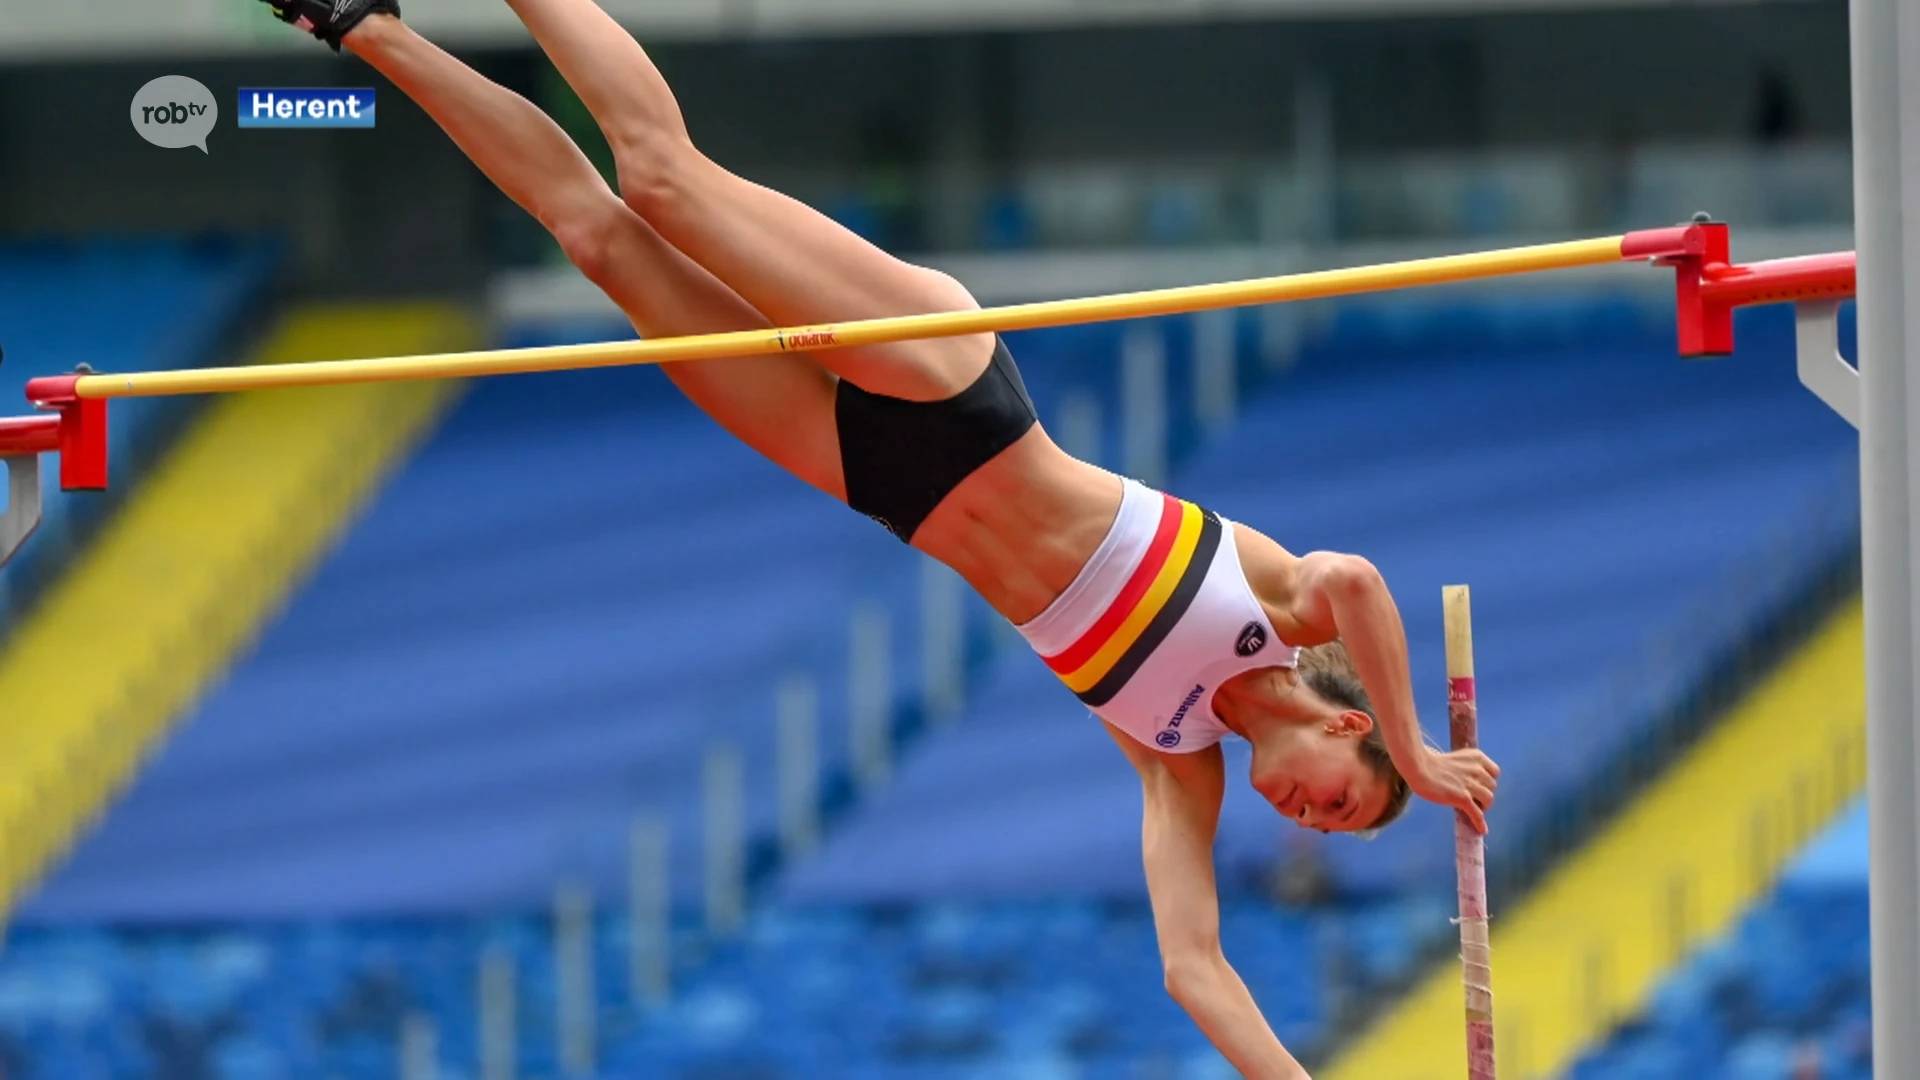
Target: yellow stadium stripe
[200, 556]
[1083, 679]
[1590, 944]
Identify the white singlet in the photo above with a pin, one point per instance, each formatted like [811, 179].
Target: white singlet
[1156, 620]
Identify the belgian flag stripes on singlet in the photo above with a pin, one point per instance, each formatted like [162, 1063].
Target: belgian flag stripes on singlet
[1148, 607]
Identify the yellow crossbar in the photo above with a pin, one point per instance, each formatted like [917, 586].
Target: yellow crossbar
[1288, 287]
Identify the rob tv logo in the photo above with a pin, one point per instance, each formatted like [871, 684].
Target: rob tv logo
[174, 111]
[350, 107]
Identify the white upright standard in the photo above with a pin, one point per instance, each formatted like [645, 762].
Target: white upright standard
[1886, 186]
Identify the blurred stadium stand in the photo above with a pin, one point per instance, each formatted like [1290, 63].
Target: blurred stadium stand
[116, 305]
[575, 588]
[500, 591]
[1783, 997]
[572, 589]
[194, 559]
[1050, 989]
[77, 29]
[588, 622]
[409, 835]
[1029, 989]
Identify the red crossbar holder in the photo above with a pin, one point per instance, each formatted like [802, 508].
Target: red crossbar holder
[80, 429]
[26, 435]
[77, 431]
[1706, 325]
[1709, 286]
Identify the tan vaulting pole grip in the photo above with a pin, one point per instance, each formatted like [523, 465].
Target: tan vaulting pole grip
[1469, 847]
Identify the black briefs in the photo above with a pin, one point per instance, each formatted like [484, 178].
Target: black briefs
[901, 458]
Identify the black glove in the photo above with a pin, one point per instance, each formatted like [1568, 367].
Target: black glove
[329, 20]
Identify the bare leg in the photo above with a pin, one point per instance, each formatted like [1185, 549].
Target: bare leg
[779, 405]
[793, 263]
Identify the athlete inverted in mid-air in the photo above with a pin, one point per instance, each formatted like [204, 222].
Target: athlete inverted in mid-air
[1175, 626]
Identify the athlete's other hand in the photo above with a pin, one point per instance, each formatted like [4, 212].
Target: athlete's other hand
[1463, 779]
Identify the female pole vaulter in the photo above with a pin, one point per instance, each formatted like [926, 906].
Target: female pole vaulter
[1172, 624]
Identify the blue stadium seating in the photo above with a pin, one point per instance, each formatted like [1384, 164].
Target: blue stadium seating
[544, 618]
[938, 990]
[573, 589]
[1025, 989]
[514, 651]
[1785, 996]
[116, 306]
[521, 644]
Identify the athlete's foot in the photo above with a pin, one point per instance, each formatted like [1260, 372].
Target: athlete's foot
[330, 20]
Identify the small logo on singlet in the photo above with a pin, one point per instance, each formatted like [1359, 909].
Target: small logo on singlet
[1253, 638]
[1171, 736]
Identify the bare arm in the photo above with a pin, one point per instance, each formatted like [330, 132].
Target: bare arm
[1182, 811]
[1344, 596]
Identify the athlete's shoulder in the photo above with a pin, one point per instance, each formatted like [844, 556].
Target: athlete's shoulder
[1272, 572]
[1319, 579]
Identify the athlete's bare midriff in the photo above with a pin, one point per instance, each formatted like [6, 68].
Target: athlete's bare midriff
[1021, 527]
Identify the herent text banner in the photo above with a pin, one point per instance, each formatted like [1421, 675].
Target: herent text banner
[332, 107]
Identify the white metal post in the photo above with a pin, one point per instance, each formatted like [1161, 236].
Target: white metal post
[1079, 426]
[943, 641]
[574, 993]
[1216, 386]
[724, 822]
[650, 913]
[870, 693]
[1143, 403]
[959, 141]
[499, 1020]
[1314, 158]
[1281, 335]
[1886, 184]
[419, 1048]
[797, 720]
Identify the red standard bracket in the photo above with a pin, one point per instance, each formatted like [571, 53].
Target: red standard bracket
[1675, 242]
[23, 435]
[1695, 252]
[82, 430]
[1708, 286]
[1781, 281]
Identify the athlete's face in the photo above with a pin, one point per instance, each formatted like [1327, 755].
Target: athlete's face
[1314, 775]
